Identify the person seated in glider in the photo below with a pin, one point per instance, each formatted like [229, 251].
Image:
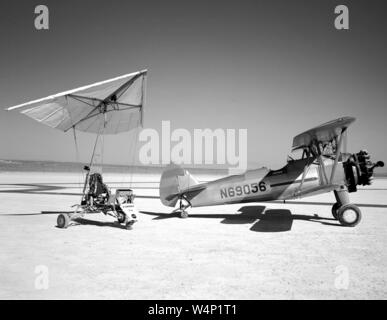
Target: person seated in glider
[99, 192]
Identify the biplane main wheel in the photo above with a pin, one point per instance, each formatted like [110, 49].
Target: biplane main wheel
[183, 214]
[63, 221]
[349, 215]
[335, 208]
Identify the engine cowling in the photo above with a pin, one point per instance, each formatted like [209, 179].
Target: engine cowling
[359, 170]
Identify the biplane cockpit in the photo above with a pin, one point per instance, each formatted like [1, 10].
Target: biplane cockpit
[298, 154]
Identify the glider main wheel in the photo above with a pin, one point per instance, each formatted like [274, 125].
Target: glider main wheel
[183, 214]
[129, 225]
[121, 217]
[335, 207]
[349, 215]
[63, 221]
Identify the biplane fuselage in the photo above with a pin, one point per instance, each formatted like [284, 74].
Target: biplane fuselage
[267, 185]
[323, 167]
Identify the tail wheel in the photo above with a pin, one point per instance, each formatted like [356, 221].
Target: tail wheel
[349, 215]
[335, 208]
[63, 221]
[183, 214]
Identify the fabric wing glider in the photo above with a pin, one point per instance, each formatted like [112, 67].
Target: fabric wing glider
[108, 107]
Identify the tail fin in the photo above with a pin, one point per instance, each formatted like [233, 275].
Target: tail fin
[173, 180]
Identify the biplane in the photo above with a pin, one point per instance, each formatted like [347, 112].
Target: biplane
[108, 107]
[322, 165]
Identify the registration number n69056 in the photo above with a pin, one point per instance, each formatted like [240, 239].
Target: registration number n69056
[245, 189]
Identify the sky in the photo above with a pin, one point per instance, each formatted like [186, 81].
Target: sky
[275, 68]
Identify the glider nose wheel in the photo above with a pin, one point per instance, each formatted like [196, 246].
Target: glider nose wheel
[63, 221]
[349, 215]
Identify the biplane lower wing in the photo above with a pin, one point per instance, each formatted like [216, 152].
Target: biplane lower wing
[313, 191]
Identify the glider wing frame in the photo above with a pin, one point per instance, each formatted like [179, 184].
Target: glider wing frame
[95, 104]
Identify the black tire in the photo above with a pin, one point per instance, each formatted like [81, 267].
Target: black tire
[63, 221]
[335, 208]
[183, 214]
[129, 225]
[344, 215]
[121, 217]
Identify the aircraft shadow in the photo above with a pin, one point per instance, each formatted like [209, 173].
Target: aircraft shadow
[270, 220]
[83, 221]
[274, 220]
[246, 215]
[53, 190]
[33, 214]
[280, 220]
[19, 214]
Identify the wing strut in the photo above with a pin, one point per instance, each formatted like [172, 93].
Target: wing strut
[338, 150]
[304, 173]
[316, 152]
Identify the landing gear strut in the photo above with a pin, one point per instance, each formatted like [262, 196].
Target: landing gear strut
[346, 213]
[182, 207]
[335, 207]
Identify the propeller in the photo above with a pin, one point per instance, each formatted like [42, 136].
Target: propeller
[379, 164]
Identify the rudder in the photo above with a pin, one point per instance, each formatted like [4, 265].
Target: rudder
[173, 180]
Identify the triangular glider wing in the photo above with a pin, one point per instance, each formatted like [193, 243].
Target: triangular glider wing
[323, 133]
[108, 107]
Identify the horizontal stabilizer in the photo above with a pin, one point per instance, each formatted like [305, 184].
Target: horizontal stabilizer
[188, 191]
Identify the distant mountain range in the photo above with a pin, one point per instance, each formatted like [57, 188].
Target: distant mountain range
[53, 166]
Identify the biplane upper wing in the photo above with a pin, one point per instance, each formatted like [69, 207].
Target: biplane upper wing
[323, 133]
[109, 107]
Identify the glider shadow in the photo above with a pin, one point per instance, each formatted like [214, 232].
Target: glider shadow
[83, 221]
